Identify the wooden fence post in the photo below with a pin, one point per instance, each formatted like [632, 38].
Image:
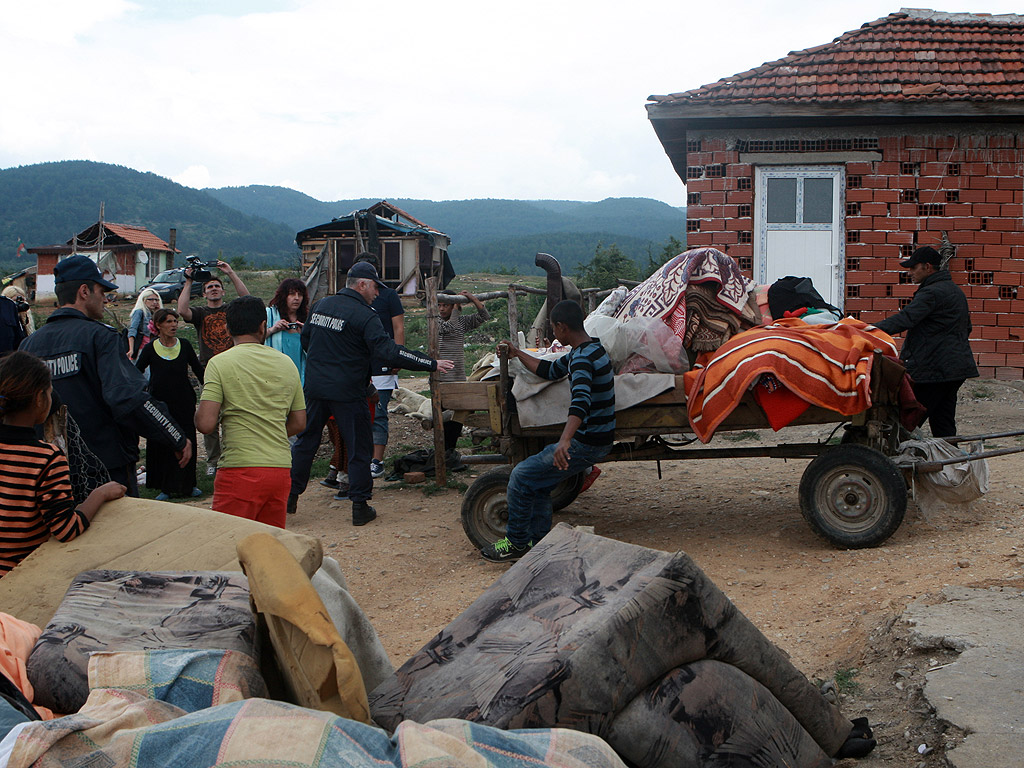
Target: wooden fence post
[513, 316]
[433, 346]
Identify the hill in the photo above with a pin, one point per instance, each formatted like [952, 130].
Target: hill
[488, 233]
[47, 203]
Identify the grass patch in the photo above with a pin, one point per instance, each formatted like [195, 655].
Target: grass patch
[845, 680]
[982, 393]
[431, 488]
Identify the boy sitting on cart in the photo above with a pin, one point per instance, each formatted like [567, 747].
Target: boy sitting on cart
[587, 437]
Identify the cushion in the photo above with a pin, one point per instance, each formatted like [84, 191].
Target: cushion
[135, 610]
[138, 535]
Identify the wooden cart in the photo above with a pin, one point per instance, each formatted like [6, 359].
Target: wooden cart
[851, 493]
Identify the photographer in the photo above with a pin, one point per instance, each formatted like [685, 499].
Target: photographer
[286, 315]
[211, 327]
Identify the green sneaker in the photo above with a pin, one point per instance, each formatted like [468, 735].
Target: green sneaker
[504, 550]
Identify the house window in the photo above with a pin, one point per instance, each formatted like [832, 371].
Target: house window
[910, 169]
[852, 236]
[743, 182]
[392, 261]
[744, 212]
[908, 196]
[746, 263]
[953, 196]
[952, 169]
[852, 263]
[853, 209]
[746, 237]
[694, 171]
[853, 291]
[693, 145]
[854, 182]
[693, 198]
[931, 209]
[715, 171]
[1007, 292]
[906, 250]
[693, 225]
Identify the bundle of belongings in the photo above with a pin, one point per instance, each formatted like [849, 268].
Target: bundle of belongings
[606, 653]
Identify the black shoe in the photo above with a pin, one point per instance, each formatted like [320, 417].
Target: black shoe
[293, 502]
[504, 550]
[342, 494]
[328, 483]
[362, 513]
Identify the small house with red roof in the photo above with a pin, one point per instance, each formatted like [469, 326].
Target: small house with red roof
[127, 254]
[838, 161]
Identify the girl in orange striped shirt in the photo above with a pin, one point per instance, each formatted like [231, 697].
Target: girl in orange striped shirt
[35, 488]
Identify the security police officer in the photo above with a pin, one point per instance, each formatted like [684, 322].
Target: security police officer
[341, 337]
[94, 377]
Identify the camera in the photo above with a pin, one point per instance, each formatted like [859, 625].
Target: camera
[198, 269]
[293, 326]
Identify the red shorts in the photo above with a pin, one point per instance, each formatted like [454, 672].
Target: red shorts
[256, 493]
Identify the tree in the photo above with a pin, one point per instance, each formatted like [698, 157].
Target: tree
[608, 267]
[669, 250]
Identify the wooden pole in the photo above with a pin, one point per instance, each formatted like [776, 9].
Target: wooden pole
[513, 316]
[433, 345]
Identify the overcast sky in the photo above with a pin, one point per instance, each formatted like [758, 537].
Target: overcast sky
[410, 98]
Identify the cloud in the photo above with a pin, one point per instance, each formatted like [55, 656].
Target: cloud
[195, 176]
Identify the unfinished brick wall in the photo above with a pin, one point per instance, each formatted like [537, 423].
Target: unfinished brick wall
[971, 187]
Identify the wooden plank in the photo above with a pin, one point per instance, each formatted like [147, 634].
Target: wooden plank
[465, 395]
[435, 393]
[494, 410]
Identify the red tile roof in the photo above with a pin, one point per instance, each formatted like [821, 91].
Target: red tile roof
[137, 235]
[911, 56]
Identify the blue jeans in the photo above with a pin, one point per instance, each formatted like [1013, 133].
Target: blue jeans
[380, 417]
[529, 489]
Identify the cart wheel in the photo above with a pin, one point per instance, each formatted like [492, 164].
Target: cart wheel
[853, 496]
[565, 492]
[485, 505]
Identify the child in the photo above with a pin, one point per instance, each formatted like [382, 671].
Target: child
[586, 439]
[36, 499]
[451, 346]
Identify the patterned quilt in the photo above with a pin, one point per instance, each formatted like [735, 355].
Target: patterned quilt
[148, 720]
[701, 294]
[826, 365]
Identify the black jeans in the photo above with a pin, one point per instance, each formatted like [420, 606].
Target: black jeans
[353, 420]
[939, 397]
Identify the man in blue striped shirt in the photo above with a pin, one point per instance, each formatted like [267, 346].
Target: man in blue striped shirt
[587, 437]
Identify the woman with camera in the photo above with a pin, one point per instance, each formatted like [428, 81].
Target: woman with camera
[286, 314]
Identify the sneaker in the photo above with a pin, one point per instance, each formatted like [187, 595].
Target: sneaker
[211, 471]
[342, 493]
[362, 513]
[376, 469]
[327, 482]
[504, 550]
[595, 472]
[162, 497]
[293, 503]
[140, 477]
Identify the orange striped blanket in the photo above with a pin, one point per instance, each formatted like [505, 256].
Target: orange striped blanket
[826, 365]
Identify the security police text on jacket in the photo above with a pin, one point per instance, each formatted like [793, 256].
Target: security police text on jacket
[938, 326]
[104, 392]
[341, 337]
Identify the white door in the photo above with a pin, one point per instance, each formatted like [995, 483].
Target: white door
[799, 226]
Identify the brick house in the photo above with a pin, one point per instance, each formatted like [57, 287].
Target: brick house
[837, 161]
[129, 255]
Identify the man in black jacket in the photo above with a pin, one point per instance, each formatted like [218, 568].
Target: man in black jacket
[91, 372]
[936, 351]
[342, 336]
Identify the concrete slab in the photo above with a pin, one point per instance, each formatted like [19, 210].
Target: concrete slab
[982, 692]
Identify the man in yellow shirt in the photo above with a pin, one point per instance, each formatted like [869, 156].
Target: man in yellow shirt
[255, 392]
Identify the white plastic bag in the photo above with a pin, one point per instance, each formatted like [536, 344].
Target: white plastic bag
[956, 483]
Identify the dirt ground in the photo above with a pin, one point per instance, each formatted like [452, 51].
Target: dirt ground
[833, 611]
